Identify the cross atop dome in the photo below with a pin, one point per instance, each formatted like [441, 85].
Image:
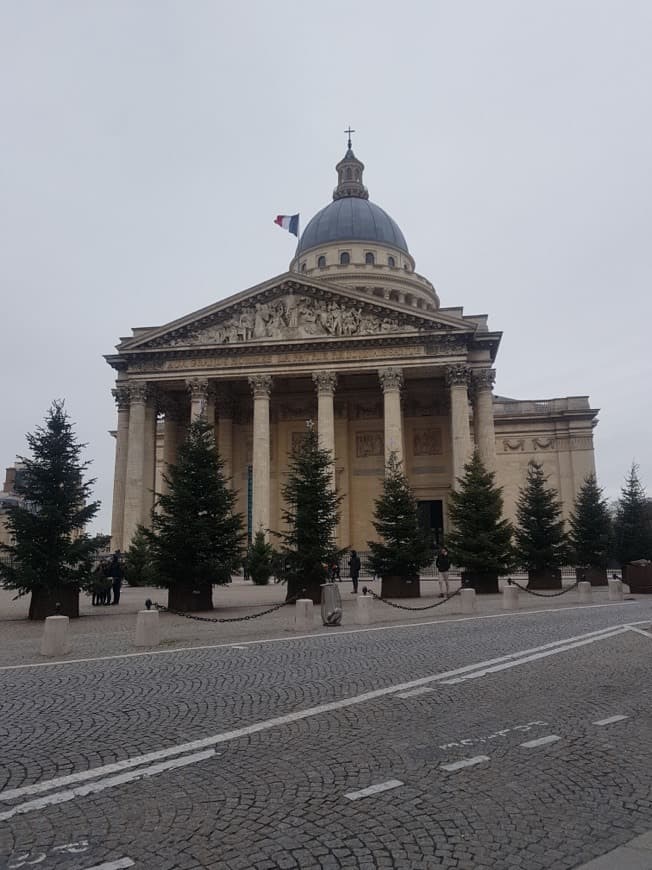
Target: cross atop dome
[349, 174]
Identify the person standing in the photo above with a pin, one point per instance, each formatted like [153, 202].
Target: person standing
[116, 573]
[443, 564]
[354, 567]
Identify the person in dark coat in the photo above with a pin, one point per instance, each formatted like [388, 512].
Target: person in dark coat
[354, 567]
[443, 564]
[116, 573]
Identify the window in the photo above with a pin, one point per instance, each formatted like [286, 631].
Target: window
[344, 258]
[369, 258]
[349, 174]
[303, 266]
[391, 261]
[321, 262]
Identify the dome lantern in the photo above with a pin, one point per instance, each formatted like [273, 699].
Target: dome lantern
[349, 174]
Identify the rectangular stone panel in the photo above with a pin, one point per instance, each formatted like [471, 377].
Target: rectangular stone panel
[369, 444]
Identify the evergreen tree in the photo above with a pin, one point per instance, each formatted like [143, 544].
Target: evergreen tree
[404, 547]
[480, 539]
[310, 514]
[196, 537]
[260, 559]
[541, 543]
[590, 526]
[52, 557]
[633, 532]
[139, 570]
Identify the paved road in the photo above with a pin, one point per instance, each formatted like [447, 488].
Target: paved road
[468, 744]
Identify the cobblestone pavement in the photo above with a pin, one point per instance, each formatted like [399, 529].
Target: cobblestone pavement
[259, 756]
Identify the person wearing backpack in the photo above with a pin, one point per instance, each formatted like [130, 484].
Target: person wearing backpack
[443, 564]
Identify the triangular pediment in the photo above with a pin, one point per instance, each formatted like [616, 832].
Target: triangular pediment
[289, 308]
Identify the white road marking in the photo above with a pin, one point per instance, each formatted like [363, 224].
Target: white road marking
[113, 865]
[62, 797]
[373, 789]
[604, 635]
[465, 762]
[319, 634]
[611, 719]
[414, 692]
[238, 646]
[265, 725]
[647, 634]
[542, 741]
[493, 736]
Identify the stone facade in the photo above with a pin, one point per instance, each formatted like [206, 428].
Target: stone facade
[359, 345]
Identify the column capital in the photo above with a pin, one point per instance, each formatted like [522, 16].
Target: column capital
[139, 392]
[261, 386]
[122, 395]
[197, 387]
[391, 378]
[483, 379]
[458, 375]
[325, 381]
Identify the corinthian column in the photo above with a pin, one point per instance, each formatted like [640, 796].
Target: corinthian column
[457, 377]
[198, 389]
[134, 477]
[483, 416]
[121, 396]
[325, 382]
[261, 386]
[170, 437]
[391, 380]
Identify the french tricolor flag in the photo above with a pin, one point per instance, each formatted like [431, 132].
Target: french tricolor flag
[289, 222]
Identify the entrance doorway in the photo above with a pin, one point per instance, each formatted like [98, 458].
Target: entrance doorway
[431, 519]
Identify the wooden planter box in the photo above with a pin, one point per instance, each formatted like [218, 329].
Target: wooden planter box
[484, 584]
[394, 586]
[190, 600]
[594, 576]
[548, 579]
[638, 578]
[43, 602]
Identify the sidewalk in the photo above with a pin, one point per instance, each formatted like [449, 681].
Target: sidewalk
[109, 630]
[634, 855]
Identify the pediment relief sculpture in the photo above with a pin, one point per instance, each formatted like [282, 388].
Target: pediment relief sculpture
[293, 316]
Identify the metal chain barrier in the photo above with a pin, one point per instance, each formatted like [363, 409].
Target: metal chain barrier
[544, 594]
[163, 609]
[367, 591]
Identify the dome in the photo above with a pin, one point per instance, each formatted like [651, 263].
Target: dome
[352, 218]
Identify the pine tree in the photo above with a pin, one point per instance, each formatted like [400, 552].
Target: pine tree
[541, 544]
[310, 514]
[139, 570]
[260, 559]
[590, 526]
[404, 547]
[633, 533]
[52, 557]
[480, 539]
[196, 537]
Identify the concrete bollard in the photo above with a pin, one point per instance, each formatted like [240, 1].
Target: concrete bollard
[303, 615]
[147, 628]
[55, 636]
[510, 597]
[616, 590]
[468, 600]
[363, 610]
[586, 595]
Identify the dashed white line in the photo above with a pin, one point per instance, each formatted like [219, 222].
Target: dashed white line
[611, 719]
[541, 741]
[62, 797]
[640, 631]
[113, 865]
[465, 762]
[414, 692]
[373, 789]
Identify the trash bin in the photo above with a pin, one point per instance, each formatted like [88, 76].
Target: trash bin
[331, 604]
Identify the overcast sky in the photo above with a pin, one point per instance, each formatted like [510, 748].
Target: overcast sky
[145, 147]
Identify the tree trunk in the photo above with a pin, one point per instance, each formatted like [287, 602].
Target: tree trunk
[43, 602]
[190, 600]
[548, 578]
[595, 576]
[394, 586]
[484, 584]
